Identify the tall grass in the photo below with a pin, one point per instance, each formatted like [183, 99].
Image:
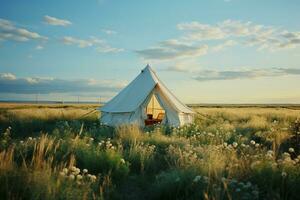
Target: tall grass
[32, 120]
[228, 153]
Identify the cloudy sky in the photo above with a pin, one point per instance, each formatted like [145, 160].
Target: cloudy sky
[205, 51]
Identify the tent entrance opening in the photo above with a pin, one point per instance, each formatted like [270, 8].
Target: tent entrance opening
[155, 112]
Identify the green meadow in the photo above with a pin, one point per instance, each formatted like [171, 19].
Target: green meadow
[229, 152]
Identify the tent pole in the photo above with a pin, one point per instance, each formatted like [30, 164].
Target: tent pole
[153, 106]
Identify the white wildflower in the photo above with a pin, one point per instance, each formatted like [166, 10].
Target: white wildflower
[77, 171]
[72, 177]
[78, 177]
[197, 179]
[73, 168]
[270, 152]
[93, 178]
[65, 170]
[286, 155]
[234, 144]
[122, 161]
[291, 150]
[283, 174]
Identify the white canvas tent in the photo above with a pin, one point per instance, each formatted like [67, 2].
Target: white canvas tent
[145, 96]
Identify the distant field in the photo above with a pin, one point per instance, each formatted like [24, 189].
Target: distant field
[4, 105]
[62, 151]
[291, 106]
[74, 104]
[45, 111]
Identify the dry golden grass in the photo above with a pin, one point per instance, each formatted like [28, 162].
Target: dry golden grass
[31, 105]
[247, 113]
[228, 153]
[7, 159]
[256, 116]
[45, 111]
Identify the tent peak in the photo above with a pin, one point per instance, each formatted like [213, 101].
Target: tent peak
[148, 67]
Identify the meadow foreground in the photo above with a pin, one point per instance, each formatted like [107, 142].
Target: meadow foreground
[58, 152]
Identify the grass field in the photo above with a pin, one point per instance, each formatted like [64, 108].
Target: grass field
[59, 152]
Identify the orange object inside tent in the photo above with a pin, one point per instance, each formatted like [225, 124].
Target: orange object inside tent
[155, 112]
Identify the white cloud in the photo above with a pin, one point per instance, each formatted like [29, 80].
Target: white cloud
[177, 68]
[257, 35]
[279, 40]
[171, 49]
[226, 34]
[32, 80]
[108, 49]
[9, 31]
[196, 31]
[79, 42]
[181, 65]
[100, 45]
[39, 47]
[207, 75]
[220, 47]
[56, 22]
[7, 76]
[109, 32]
[9, 83]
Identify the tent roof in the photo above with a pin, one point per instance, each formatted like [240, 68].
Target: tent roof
[135, 93]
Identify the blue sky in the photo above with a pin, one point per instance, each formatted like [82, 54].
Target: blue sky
[205, 51]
